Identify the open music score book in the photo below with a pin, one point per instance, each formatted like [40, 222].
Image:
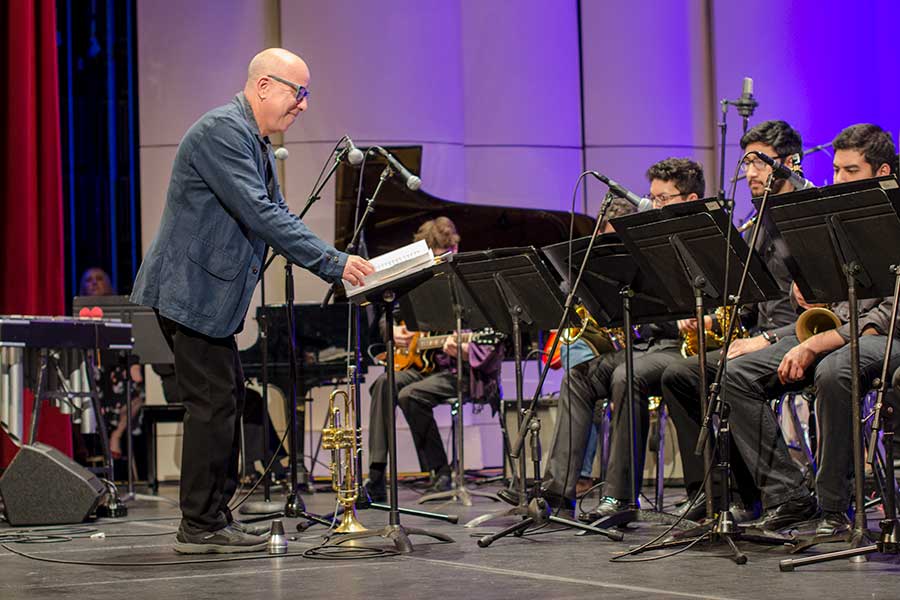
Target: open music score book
[394, 265]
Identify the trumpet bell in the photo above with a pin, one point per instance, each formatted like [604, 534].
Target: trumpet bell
[815, 320]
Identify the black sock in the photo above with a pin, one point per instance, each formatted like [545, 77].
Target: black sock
[376, 472]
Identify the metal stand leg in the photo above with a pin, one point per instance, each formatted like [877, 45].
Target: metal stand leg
[459, 493]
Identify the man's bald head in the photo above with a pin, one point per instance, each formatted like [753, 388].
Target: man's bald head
[274, 78]
[276, 61]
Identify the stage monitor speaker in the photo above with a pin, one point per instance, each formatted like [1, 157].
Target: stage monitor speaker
[42, 486]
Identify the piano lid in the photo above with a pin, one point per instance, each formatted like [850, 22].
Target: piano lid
[399, 212]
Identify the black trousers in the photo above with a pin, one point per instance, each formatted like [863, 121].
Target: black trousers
[583, 389]
[648, 370]
[759, 439]
[417, 396]
[210, 384]
[585, 386]
[681, 394]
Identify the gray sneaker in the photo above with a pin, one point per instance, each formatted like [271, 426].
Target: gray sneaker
[252, 529]
[228, 540]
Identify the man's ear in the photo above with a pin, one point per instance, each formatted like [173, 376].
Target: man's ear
[789, 161]
[692, 196]
[884, 169]
[263, 87]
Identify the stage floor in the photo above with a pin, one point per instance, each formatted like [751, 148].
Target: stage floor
[551, 564]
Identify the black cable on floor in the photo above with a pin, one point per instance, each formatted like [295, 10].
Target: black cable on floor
[168, 563]
[332, 552]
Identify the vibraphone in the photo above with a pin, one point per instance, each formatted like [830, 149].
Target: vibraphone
[55, 357]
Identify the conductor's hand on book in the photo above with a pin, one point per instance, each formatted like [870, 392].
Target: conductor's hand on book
[356, 268]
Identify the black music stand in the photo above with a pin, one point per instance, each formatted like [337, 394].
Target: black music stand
[386, 294]
[441, 305]
[615, 291]
[695, 254]
[843, 241]
[513, 287]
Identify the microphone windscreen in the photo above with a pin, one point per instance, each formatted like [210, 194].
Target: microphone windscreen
[414, 183]
[281, 153]
[355, 156]
[747, 90]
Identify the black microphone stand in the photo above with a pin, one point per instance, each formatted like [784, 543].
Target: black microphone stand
[265, 506]
[535, 509]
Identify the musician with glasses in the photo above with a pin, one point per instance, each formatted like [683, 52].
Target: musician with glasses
[589, 383]
[861, 151]
[767, 323]
[419, 392]
[223, 209]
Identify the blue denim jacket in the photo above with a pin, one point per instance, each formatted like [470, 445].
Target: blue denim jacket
[206, 260]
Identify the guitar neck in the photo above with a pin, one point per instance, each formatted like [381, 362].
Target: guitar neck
[430, 342]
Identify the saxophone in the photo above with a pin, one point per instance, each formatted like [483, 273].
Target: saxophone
[601, 339]
[714, 339]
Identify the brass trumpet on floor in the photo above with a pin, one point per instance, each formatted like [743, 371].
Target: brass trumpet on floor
[343, 439]
[690, 343]
[815, 320]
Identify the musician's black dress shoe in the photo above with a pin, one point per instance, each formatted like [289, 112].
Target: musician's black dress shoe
[692, 509]
[833, 523]
[441, 483]
[786, 514]
[376, 489]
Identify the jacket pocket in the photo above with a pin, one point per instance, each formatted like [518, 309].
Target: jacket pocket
[214, 261]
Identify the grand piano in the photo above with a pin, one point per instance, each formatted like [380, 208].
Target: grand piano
[399, 212]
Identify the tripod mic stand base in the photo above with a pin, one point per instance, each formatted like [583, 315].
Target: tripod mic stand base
[261, 507]
[513, 511]
[462, 494]
[363, 502]
[397, 534]
[636, 515]
[537, 514]
[856, 553]
[716, 531]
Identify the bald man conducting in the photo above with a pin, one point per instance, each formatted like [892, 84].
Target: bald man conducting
[223, 209]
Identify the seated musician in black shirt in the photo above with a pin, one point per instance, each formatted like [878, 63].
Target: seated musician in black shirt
[861, 151]
[671, 180]
[420, 392]
[767, 323]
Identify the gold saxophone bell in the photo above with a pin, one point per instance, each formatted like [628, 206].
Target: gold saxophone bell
[601, 339]
[343, 439]
[815, 320]
[690, 343]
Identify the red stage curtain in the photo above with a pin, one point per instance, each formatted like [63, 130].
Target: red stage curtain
[32, 262]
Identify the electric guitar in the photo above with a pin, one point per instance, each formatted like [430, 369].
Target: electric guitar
[419, 354]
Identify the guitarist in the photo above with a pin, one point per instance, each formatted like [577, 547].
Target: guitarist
[419, 393]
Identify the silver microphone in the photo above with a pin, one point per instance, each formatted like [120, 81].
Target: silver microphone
[354, 154]
[783, 172]
[412, 181]
[641, 204]
[281, 153]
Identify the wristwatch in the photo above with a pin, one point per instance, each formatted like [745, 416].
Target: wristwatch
[770, 337]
